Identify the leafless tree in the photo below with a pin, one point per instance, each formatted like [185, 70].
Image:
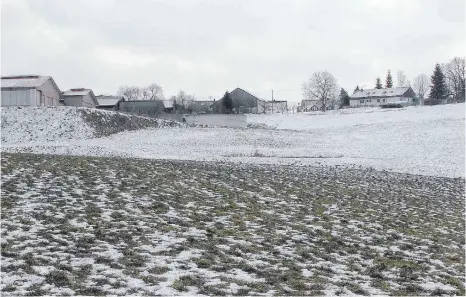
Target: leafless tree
[282, 107]
[401, 79]
[183, 100]
[421, 84]
[455, 77]
[155, 92]
[321, 86]
[150, 92]
[144, 94]
[130, 92]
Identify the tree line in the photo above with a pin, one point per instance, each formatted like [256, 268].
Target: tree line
[447, 80]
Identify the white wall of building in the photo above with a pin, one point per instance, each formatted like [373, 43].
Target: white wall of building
[222, 120]
[27, 97]
[379, 101]
[50, 95]
[84, 101]
[24, 97]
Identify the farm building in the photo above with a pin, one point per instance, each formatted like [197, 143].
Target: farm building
[30, 90]
[314, 105]
[243, 102]
[143, 107]
[109, 102]
[80, 97]
[378, 97]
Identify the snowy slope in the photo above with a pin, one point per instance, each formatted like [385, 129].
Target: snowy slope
[36, 124]
[20, 124]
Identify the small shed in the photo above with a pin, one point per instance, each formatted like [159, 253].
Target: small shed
[80, 97]
[109, 102]
[30, 90]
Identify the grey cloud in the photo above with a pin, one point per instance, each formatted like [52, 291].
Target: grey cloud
[206, 47]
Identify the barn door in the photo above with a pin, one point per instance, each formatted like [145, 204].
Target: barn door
[41, 99]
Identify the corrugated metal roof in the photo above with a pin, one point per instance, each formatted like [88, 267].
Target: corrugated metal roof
[77, 92]
[380, 92]
[108, 100]
[23, 81]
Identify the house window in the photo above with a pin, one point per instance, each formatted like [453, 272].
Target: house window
[378, 100]
[368, 93]
[361, 101]
[383, 100]
[368, 100]
[373, 92]
[384, 92]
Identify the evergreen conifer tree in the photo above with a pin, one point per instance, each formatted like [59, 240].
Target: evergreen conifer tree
[227, 103]
[378, 83]
[438, 90]
[389, 81]
[344, 98]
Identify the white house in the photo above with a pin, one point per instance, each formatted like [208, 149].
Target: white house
[109, 102]
[30, 90]
[80, 97]
[376, 97]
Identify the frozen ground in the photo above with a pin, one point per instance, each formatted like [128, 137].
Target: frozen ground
[418, 140]
[96, 226]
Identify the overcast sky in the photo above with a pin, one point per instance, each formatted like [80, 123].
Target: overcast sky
[207, 47]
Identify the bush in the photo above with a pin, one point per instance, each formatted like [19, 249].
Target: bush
[391, 105]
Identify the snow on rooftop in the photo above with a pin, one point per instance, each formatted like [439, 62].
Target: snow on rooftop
[25, 81]
[108, 100]
[77, 92]
[380, 92]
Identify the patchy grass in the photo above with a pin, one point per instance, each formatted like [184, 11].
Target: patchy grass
[109, 226]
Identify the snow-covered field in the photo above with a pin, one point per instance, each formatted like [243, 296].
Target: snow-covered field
[417, 140]
[354, 117]
[98, 226]
[76, 223]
